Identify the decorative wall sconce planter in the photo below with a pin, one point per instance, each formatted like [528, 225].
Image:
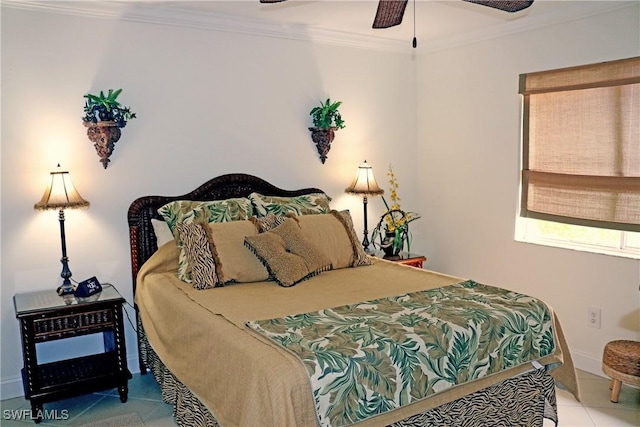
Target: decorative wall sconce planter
[323, 139]
[104, 136]
[104, 117]
[326, 121]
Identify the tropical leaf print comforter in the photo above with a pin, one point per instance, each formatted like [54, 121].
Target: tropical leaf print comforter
[371, 357]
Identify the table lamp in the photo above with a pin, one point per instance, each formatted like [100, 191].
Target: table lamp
[61, 194]
[365, 184]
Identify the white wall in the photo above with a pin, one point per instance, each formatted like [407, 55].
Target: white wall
[468, 143]
[208, 103]
[211, 103]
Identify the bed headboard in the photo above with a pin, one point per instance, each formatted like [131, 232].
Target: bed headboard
[142, 239]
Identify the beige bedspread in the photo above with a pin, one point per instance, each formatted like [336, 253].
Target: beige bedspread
[246, 380]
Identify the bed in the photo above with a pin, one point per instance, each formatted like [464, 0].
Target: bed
[242, 320]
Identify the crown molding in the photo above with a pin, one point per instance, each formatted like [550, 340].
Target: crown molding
[145, 13]
[560, 16]
[139, 12]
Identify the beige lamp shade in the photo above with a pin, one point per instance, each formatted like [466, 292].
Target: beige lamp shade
[364, 182]
[61, 194]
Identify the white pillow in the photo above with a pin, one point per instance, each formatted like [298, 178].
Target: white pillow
[162, 231]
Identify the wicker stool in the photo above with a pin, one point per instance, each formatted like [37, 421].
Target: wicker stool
[621, 362]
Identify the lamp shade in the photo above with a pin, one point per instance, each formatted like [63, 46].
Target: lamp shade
[61, 194]
[364, 182]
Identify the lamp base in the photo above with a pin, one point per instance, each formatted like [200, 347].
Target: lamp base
[365, 240]
[65, 289]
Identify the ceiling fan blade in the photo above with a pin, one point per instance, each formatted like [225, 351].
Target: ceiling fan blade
[271, 1]
[389, 13]
[505, 5]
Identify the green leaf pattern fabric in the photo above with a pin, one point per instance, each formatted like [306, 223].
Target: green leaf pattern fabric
[371, 357]
[313, 203]
[187, 211]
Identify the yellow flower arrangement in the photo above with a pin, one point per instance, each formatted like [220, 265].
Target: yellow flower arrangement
[395, 201]
[395, 221]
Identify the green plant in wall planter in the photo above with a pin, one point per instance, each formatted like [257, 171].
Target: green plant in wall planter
[104, 116]
[326, 121]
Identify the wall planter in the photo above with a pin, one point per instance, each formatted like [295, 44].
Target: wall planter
[104, 117]
[326, 121]
[323, 139]
[104, 136]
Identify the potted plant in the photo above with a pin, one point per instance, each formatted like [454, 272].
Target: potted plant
[326, 120]
[392, 231]
[104, 116]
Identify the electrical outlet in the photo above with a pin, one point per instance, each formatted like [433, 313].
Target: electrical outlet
[593, 319]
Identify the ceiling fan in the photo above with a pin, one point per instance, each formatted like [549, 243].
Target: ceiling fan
[390, 12]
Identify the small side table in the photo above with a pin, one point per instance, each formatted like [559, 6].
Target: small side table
[414, 260]
[45, 316]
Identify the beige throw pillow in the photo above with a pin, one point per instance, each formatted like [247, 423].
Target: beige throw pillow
[237, 263]
[334, 236]
[360, 257]
[287, 254]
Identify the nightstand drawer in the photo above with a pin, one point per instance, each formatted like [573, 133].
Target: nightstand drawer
[56, 327]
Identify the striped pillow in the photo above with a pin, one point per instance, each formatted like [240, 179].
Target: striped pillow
[200, 254]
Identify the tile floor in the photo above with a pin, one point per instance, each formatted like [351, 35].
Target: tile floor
[144, 398]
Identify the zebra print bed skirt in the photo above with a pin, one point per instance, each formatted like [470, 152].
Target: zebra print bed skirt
[520, 401]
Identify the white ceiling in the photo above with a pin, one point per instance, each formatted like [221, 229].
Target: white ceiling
[436, 21]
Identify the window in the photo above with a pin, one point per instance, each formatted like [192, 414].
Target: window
[580, 182]
[581, 145]
[598, 240]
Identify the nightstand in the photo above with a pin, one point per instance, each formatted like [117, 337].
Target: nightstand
[45, 316]
[407, 258]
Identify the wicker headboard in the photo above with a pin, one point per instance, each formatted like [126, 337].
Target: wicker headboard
[142, 238]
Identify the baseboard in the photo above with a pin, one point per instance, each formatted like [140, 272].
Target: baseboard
[587, 362]
[12, 387]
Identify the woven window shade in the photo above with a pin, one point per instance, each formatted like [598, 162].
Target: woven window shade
[581, 145]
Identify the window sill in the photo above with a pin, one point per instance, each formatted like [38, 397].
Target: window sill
[582, 247]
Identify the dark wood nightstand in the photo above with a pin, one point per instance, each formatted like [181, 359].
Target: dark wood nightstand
[407, 258]
[45, 316]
